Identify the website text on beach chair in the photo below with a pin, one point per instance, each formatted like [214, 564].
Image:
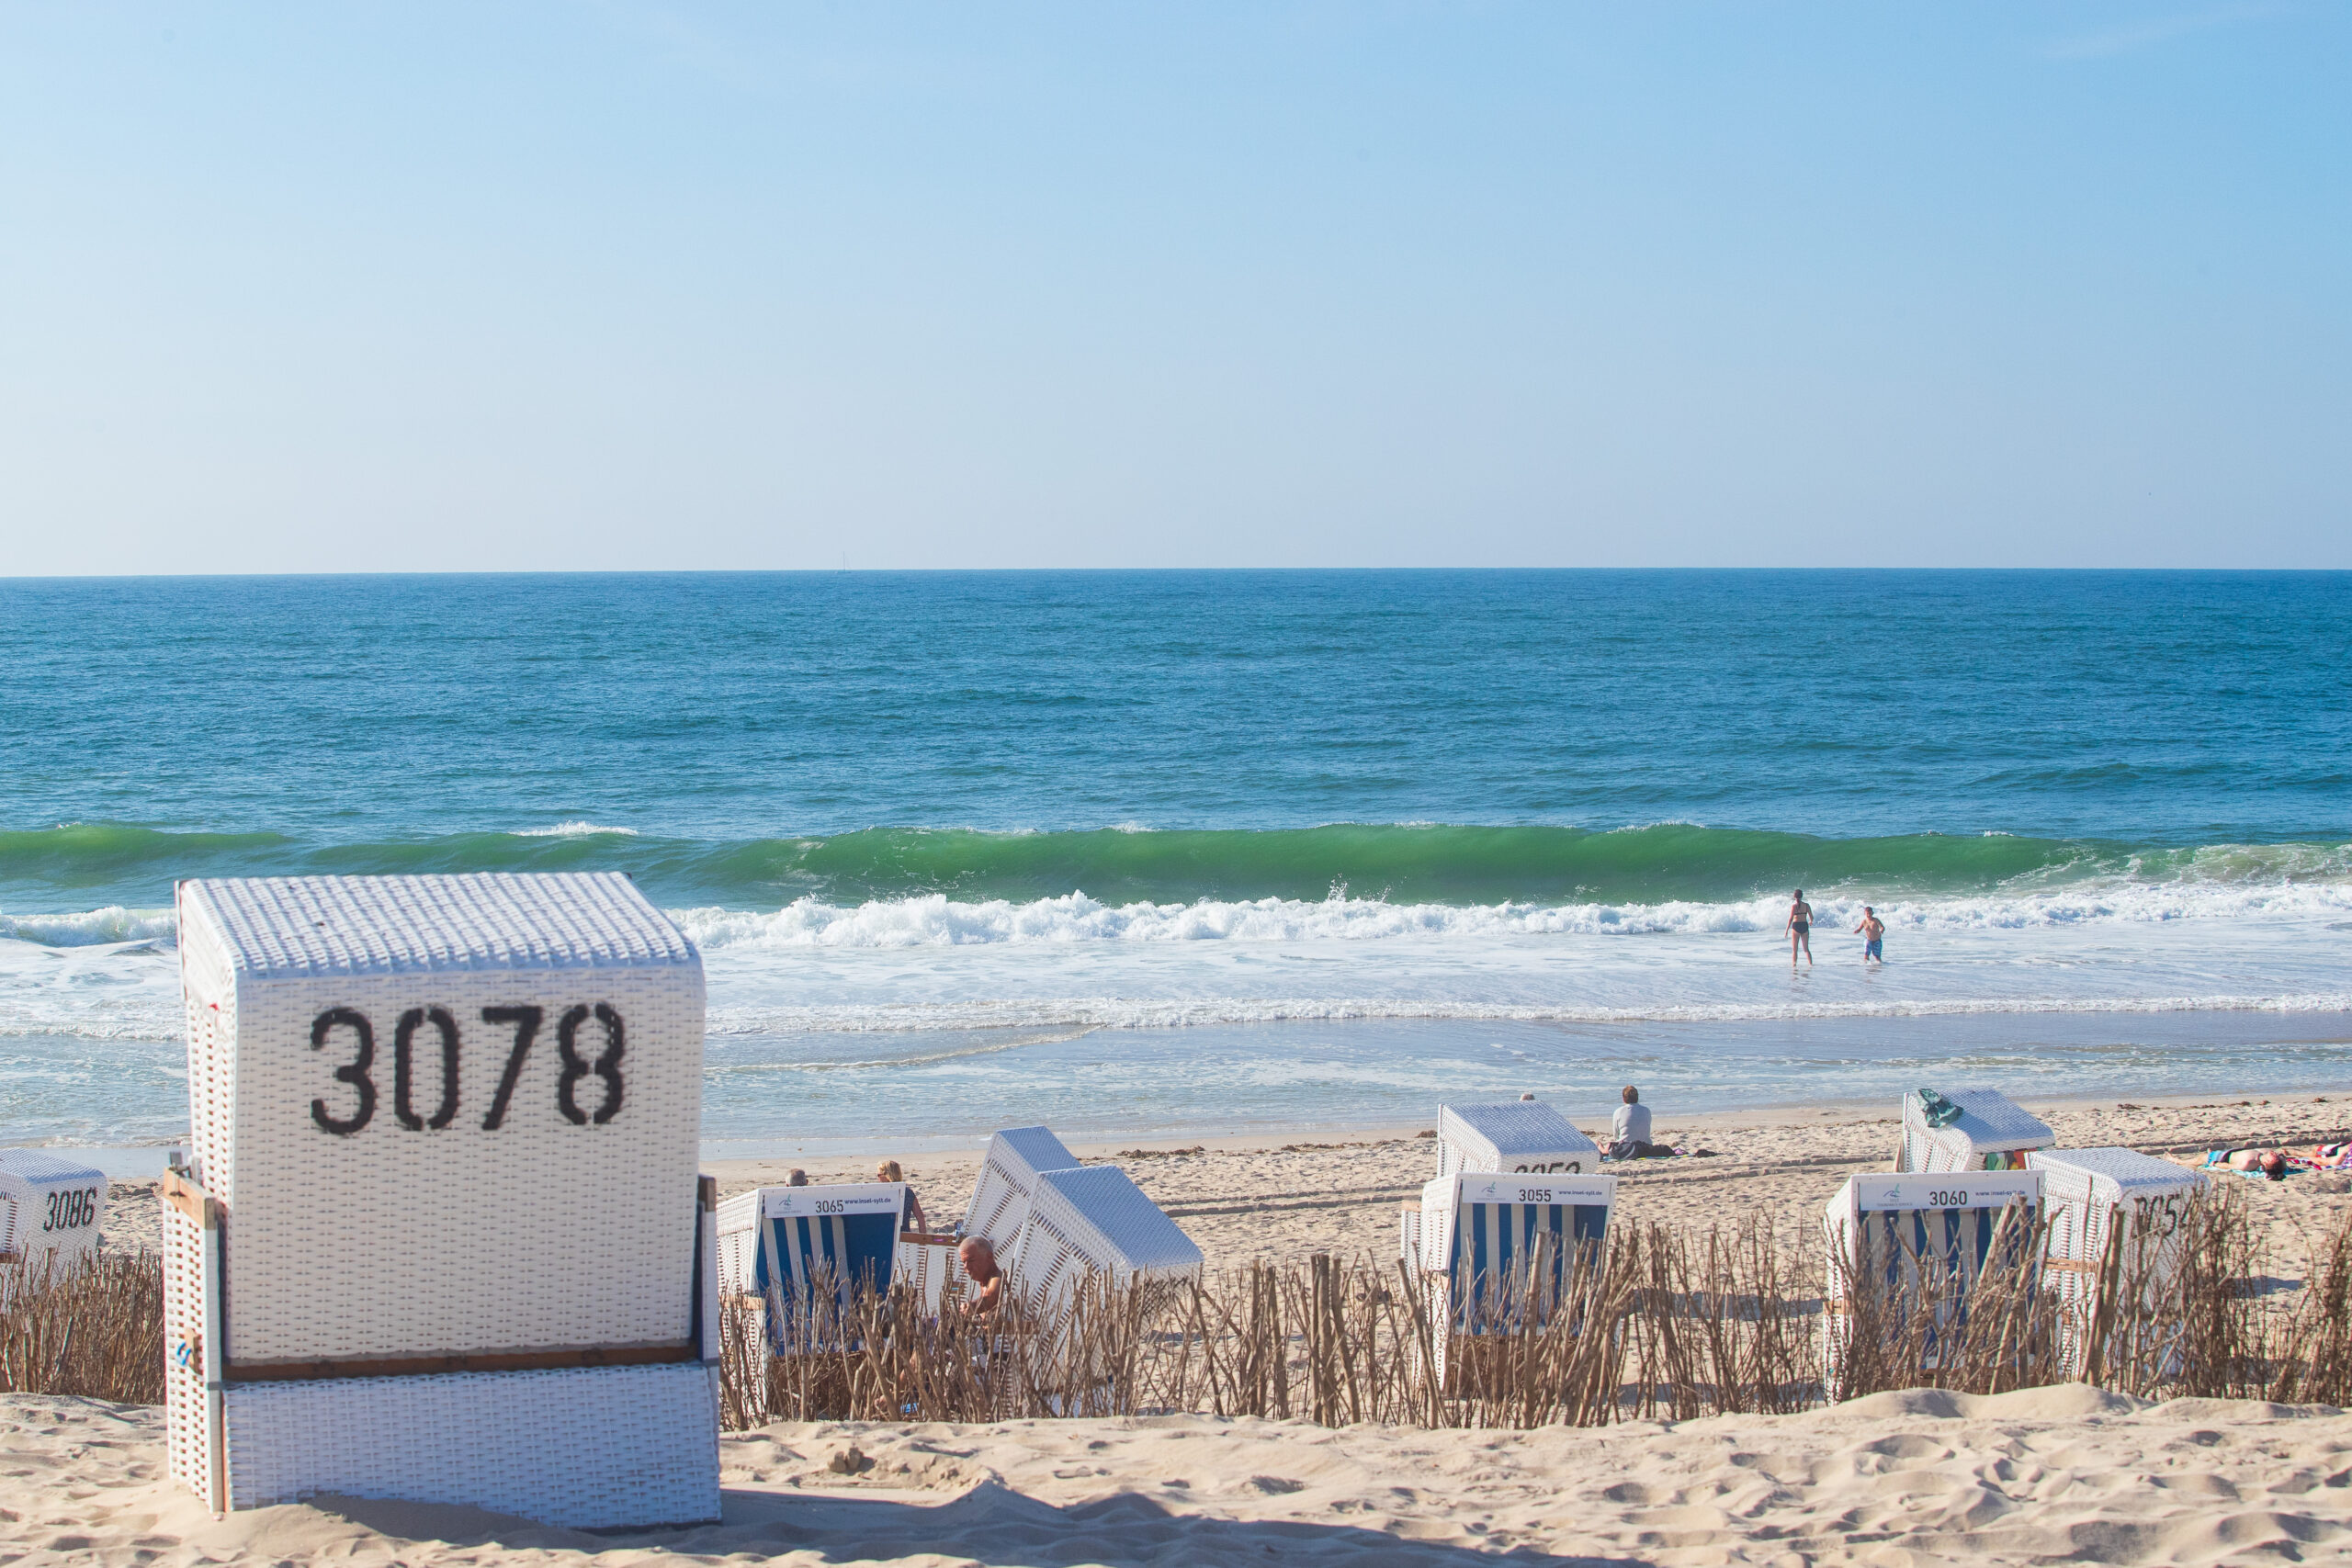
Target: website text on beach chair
[784, 1246]
[50, 1213]
[2115, 1220]
[1902, 1239]
[1495, 1248]
[1092, 1223]
[1007, 1176]
[1989, 1133]
[1513, 1137]
[442, 1236]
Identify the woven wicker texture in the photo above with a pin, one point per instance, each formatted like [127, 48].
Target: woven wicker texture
[540, 1198]
[2087, 1192]
[591, 1449]
[1990, 1122]
[51, 1210]
[187, 1434]
[1000, 1197]
[1516, 1135]
[1094, 1220]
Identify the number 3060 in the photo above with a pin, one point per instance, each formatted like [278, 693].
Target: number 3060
[597, 1025]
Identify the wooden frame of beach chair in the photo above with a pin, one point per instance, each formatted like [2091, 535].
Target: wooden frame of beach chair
[2115, 1220]
[442, 1236]
[1904, 1233]
[1516, 1136]
[1991, 1133]
[1495, 1248]
[780, 1246]
[51, 1213]
[1007, 1176]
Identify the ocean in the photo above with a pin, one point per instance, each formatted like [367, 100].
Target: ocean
[1178, 853]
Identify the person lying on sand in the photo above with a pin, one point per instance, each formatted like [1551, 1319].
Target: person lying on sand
[978, 1259]
[2268, 1163]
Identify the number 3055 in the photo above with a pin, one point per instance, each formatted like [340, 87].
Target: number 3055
[592, 1027]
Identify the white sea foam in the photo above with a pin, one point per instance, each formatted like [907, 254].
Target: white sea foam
[935, 920]
[90, 927]
[574, 830]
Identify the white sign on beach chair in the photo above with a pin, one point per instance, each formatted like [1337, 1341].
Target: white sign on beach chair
[1494, 1247]
[1895, 1233]
[1007, 1176]
[1991, 1133]
[50, 1213]
[443, 1237]
[1514, 1137]
[2099, 1199]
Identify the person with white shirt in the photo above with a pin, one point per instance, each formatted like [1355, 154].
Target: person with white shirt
[1629, 1129]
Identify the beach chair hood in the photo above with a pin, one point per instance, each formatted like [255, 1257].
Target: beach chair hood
[1520, 1136]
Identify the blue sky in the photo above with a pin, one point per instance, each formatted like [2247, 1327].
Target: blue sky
[412, 286]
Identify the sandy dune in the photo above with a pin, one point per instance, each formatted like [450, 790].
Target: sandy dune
[2038, 1477]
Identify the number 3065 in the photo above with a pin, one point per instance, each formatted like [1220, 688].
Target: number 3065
[434, 1032]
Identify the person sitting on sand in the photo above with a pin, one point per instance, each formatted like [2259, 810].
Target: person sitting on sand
[1872, 929]
[978, 1259]
[1800, 929]
[796, 1177]
[913, 1219]
[1629, 1129]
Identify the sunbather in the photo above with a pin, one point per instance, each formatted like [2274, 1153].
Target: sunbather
[2270, 1164]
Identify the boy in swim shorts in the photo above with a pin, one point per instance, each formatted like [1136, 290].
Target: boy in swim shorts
[1872, 929]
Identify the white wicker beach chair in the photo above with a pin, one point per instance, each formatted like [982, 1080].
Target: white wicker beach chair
[50, 1213]
[1885, 1232]
[443, 1237]
[1516, 1136]
[784, 1244]
[2103, 1199]
[1007, 1176]
[1991, 1133]
[1091, 1221]
[1494, 1247]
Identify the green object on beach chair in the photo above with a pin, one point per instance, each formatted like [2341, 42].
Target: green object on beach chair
[1941, 1112]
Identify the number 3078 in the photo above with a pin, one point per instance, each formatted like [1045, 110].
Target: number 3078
[434, 1032]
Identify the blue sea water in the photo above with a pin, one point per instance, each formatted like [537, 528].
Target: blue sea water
[1197, 851]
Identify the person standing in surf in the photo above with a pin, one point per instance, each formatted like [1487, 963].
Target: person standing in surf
[1800, 929]
[1873, 931]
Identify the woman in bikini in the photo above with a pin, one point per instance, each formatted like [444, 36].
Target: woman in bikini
[1800, 929]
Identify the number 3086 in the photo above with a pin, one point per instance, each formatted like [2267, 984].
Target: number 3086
[597, 1026]
[72, 1210]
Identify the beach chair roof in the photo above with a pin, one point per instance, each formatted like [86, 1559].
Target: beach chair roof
[35, 1167]
[1988, 1120]
[1519, 1129]
[2129, 1169]
[1110, 1221]
[1029, 1150]
[301, 927]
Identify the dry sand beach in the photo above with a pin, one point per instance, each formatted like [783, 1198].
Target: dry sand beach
[2042, 1475]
